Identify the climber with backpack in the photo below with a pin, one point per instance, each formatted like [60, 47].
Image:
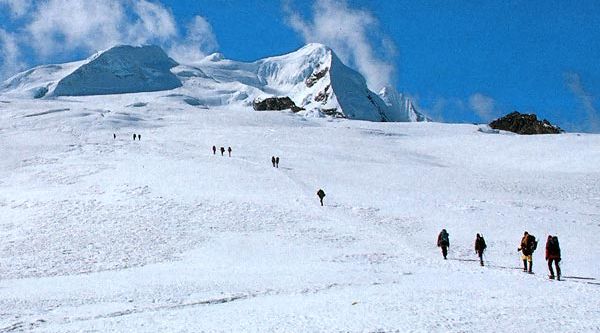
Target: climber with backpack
[443, 241]
[321, 195]
[527, 247]
[480, 246]
[553, 255]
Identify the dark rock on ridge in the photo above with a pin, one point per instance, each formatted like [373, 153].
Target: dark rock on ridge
[524, 124]
[316, 77]
[275, 104]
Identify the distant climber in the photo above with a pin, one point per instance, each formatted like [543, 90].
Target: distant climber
[480, 246]
[277, 162]
[134, 136]
[222, 151]
[553, 255]
[139, 137]
[229, 151]
[273, 160]
[527, 247]
[443, 241]
[214, 150]
[114, 135]
[321, 195]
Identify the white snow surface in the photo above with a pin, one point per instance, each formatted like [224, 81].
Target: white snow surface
[160, 235]
[313, 77]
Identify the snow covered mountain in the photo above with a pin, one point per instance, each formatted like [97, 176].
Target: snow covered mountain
[101, 232]
[123, 69]
[313, 77]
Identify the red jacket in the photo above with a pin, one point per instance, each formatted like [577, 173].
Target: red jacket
[552, 248]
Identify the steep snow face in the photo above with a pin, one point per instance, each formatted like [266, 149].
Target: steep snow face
[304, 76]
[316, 79]
[356, 100]
[122, 69]
[400, 107]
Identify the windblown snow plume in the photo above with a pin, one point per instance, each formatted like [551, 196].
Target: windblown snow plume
[199, 41]
[9, 54]
[353, 33]
[482, 105]
[586, 100]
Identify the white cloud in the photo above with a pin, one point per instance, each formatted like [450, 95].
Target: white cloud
[154, 23]
[59, 26]
[63, 25]
[573, 81]
[442, 108]
[10, 54]
[436, 111]
[483, 106]
[353, 34]
[199, 41]
[17, 8]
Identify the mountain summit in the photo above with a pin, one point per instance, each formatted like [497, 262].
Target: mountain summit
[122, 69]
[313, 77]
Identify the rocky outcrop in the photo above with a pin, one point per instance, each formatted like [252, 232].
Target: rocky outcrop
[333, 113]
[275, 104]
[315, 77]
[322, 96]
[524, 124]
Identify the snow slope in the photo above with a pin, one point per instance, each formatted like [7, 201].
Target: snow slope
[38, 81]
[121, 69]
[160, 235]
[313, 77]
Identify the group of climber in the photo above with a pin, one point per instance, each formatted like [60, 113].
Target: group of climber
[222, 149]
[135, 136]
[527, 247]
[275, 161]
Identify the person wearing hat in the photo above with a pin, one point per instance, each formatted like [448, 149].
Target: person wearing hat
[527, 247]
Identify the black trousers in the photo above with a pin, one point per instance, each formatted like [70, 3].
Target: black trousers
[556, 261]
[480, 254]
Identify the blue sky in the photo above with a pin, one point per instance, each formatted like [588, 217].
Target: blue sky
[462, 61]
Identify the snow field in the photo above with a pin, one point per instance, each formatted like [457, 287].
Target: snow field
[161, 235]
